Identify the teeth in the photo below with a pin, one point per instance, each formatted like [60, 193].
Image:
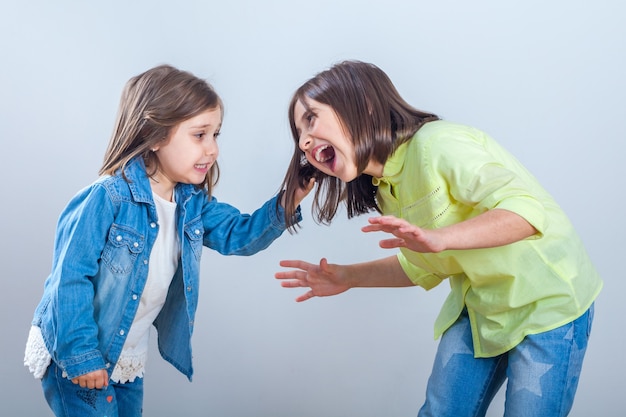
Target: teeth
[318, 154]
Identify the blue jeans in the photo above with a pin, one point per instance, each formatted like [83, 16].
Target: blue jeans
[67, 399]
[542, 372]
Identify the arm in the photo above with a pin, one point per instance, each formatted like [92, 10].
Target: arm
[231, 232]
[492, 228]
[331, 279]
[80, 238]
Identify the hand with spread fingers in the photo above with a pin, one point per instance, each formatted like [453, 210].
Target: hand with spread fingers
[323, 280]
[406, 235]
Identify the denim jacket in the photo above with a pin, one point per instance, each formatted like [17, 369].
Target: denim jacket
[100, 266]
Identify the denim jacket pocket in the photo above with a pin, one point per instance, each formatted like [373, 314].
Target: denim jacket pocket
[194, 232]
[121, 249]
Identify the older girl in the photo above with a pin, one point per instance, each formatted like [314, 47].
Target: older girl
[459, 208]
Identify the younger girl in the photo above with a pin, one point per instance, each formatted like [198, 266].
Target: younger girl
[128, 247]
[459, 207]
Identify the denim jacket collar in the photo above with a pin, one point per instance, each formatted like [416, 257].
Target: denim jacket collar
[135, 172]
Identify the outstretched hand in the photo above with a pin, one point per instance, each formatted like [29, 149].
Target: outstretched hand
[406, 235]
[323, 280]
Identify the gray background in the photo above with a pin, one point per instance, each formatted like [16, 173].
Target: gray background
[546, 79]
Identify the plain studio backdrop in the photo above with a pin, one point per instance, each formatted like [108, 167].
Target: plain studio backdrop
[545, 79]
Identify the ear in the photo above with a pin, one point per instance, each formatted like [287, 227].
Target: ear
[157, 145]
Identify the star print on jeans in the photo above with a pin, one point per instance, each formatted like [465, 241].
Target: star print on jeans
[89, 396]
[525, 380]
[460, 350]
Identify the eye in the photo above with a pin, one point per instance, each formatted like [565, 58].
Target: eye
[200, 135]
[216, 134]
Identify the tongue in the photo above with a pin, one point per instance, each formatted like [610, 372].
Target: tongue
[327, 154]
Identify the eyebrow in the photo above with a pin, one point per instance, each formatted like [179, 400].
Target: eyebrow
[204, 126]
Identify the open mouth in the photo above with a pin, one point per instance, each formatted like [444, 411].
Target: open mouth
[324, 153]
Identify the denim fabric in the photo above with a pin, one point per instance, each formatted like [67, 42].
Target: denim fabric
[100, 266]
[542, 372]
[67, 399]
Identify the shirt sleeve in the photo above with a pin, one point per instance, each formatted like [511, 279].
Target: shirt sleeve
[483, 175]
[417, 275]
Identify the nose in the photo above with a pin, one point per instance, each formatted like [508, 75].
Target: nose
[211, 148]
[305, 142]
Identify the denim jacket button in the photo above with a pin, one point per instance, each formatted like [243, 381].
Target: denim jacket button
[134, 296]
[121, 332]
[153, 225]
[145, 262]
[136, 244]
[118, 238]
[197, 231]
[189, 288]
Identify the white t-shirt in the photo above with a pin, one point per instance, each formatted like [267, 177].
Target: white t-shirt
[162, 266]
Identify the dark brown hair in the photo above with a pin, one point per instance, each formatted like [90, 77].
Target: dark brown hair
[152, 104]
[373, 115]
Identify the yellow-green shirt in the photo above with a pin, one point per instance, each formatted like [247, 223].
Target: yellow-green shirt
[448, 173]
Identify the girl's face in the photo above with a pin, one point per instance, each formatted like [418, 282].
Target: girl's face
[325, 143]
[190, 151]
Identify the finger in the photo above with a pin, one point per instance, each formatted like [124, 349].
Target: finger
[372, 228]
[290, 263]
[285, 275]
[311, 184]
[305, 296]
[392, 243]
[293, 275]
[381, 219]
[389, 221]
[290, 284]
[324, 264]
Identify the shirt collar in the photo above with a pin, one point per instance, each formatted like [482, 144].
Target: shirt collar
[393, 166]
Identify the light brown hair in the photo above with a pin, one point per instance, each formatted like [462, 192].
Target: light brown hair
[152, 104]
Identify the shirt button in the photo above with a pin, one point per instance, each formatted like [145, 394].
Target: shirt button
[121, 332]
[189, 288]
[136, 244]
[197, 231]
[153, 225]
[135, 296]
[118, 238]
[145, 262]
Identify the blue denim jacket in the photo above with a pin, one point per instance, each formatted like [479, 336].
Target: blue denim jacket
[100, 266]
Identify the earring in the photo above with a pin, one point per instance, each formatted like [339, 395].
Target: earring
[153, 149]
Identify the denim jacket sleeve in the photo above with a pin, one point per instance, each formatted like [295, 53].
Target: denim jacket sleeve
[71, 335]
[231, 232]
